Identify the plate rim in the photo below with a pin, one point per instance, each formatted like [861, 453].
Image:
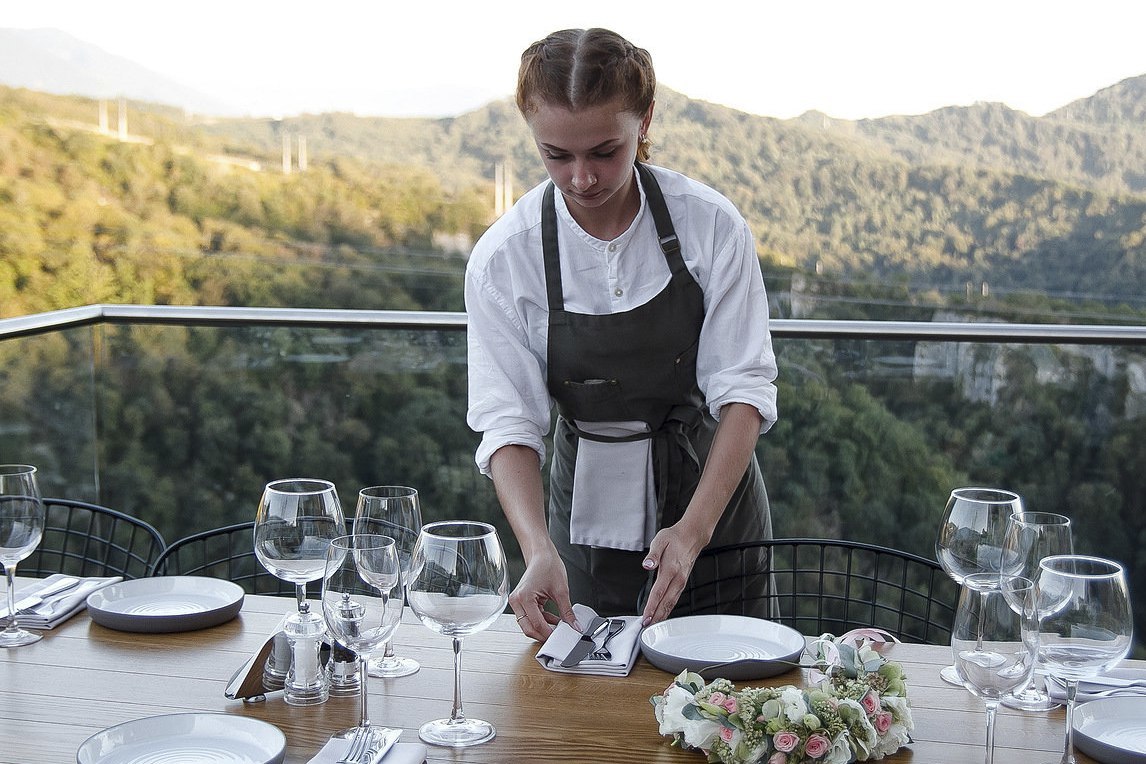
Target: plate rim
[231, 599]
[276, 756]
[1104, 748]
[747, 668]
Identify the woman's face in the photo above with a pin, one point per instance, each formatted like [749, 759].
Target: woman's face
[589, 153]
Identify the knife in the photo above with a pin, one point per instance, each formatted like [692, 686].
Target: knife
[32, 600]
[587, 643]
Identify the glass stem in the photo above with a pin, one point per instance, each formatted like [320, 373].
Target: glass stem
[300, 596]
[992, 707]
[979, 634]
[1068, 747]
[457, 716]
[363, 716]
[10, 573]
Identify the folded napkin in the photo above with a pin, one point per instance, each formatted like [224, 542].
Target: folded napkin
[614, 500]
[623, 646]
[400, 753]
[58, 608]
[1116, 680]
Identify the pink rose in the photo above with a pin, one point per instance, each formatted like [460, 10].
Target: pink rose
[726, 734]
[730, 705]
[817, 746]
[778, 758]
[785, 741]
[883, 722]
[717, 698]
[870, 702]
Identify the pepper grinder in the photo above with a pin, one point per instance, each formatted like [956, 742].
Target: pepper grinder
[342, 671]
[306, 683]
[278, 663]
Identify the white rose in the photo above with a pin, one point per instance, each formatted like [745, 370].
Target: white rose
[794, 706]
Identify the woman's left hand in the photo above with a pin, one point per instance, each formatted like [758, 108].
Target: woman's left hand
[672, 554]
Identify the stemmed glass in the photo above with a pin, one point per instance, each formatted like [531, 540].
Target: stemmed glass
[457, 587]
[21, 528]
[296, 521]
[994, 639]
[1031, 536]
[392, 511]
[362, 605]
[1085, 625]
[971, 535]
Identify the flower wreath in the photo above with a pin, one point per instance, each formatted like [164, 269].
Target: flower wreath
[857, 712]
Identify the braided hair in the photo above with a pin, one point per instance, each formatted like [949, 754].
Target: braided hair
[582, 68]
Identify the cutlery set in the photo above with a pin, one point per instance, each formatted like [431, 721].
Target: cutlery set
[586, 647]
[43, 599]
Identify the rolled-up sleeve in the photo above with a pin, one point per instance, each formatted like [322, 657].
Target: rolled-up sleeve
[735, 362]
[508, 399]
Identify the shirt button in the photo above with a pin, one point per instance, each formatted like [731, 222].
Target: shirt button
[618, 292]
[612, 247]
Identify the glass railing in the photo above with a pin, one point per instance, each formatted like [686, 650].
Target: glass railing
[180, 415]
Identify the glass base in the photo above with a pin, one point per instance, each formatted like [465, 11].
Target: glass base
[16, 637]
[306, 696]
[392, 667]
[950, 675]
[1033, 698]
[456, 734]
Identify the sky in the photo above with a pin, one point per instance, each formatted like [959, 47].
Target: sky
[851, 59]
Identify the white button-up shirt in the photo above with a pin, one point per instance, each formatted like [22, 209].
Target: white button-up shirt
[509, 402]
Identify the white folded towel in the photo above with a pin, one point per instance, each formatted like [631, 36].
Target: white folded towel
[623, 647]
[614, 497]
[1117, 679]
[58, 608]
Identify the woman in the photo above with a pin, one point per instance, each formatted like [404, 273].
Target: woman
[632, 297]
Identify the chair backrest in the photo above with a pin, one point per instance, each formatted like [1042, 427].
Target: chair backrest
[83, 539]
[227, 553]
[822, 586]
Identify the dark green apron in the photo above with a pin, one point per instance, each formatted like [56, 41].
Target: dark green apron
[635, 365]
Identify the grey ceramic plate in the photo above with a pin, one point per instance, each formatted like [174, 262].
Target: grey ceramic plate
[186, 737]
[730, 646]
[166, 603]
[1112, 730]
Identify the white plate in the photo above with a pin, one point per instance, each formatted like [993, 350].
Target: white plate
[1112, 730]
[215, 738]
[166, 603]
[729, 646]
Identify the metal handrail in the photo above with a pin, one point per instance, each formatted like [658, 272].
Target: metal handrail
[194, 315]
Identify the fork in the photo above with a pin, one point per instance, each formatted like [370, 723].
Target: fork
[616, 625]
[358, 745]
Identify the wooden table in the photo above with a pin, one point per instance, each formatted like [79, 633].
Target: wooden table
[82, 678]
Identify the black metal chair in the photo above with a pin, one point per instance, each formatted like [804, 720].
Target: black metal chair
[828, 586]
[83, 539]
[227, 553]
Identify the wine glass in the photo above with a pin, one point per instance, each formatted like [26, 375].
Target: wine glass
[457, 587]
[1031, 536]
[971, 535]
[362, 605]
[21, 528]
[392, 511]
[296, 521]
[1085, 625]
[994, 639]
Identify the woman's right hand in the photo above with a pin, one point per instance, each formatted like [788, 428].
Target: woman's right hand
[544, 581]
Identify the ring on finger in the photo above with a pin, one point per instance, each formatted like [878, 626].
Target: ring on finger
[523, 615]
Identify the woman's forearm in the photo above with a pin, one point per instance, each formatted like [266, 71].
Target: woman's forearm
[732, 448]
[516, 473]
